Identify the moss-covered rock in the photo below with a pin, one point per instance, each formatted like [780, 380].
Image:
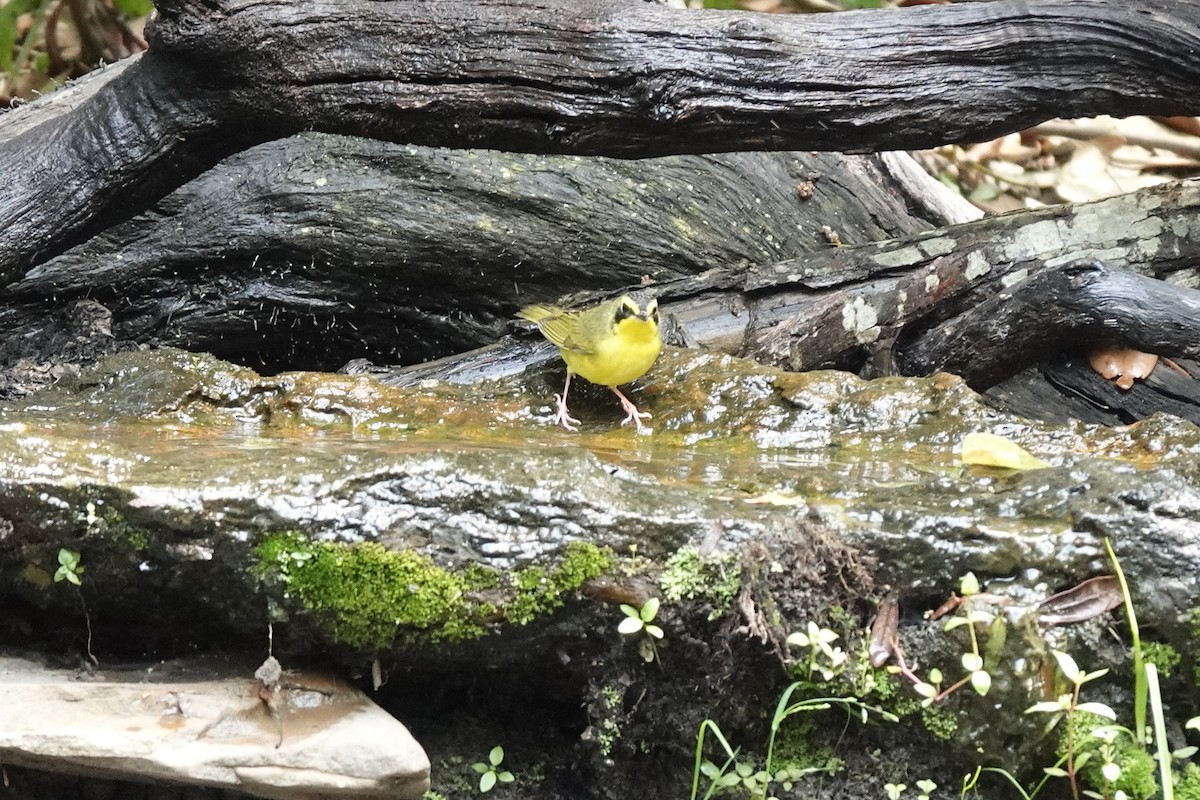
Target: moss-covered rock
[365, 595]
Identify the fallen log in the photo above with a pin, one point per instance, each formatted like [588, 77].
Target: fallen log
[898, 306]
[314, 250]
[615, 77]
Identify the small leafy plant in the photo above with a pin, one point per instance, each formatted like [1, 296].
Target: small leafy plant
[758, 782]
[743, 774]
[68, 567]
[1114, 762]
[640, 620]
[823, 657]
[969, 616]
[70, 570]
[490, 772]
[1068, 706]
[894, 790]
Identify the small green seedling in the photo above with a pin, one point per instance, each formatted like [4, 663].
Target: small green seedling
[744, 775]
[968, 616]
[823, 657]
[639, 620]
[69, 570]
[1067, 705]
[490, 772]
[68, 567]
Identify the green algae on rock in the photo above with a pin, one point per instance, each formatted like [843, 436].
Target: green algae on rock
[366, 596]
[716, 577]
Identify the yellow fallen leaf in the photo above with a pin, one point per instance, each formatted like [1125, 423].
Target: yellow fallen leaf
[990, 450]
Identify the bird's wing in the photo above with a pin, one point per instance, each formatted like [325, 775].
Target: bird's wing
[558, 325]
[563, 330]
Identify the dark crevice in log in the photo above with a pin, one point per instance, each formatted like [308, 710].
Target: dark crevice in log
[1068, 388]
[1067, 306]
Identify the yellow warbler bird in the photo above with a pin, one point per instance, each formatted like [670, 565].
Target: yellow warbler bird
[609, 344]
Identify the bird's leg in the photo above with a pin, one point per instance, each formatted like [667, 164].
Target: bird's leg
[635, 416]
[562, 417]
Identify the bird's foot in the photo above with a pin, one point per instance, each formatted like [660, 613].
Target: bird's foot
[634, 415]
[562, 417]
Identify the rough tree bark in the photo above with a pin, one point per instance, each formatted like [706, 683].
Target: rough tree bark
[943, 299]
[282, 247]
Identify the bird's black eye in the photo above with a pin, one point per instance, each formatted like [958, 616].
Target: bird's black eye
[624, 311]
[653, 309]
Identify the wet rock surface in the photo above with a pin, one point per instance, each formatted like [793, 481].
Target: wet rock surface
[452, 535]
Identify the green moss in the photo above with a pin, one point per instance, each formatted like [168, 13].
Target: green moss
[1196, 645]
[1139, 772]
[365, 595]
[1161, 655]
[688, 576]
[894, 695]
[114, 523]
[604, 711]
[939, 722]
[877, 686]
[540, 591]
[1188, 787]
[795, 747]
[904, 706]
[138, 538]
[878, 682]
[1138, 769]
[582, 562]
[102, 520]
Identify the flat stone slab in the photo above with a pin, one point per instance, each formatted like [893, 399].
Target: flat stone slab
[322, 739]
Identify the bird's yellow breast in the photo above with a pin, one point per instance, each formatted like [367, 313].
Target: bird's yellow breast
[620, 357]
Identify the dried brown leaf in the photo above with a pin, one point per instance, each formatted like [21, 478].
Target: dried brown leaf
[885, 631]
[1093, 597]
[1188, 125]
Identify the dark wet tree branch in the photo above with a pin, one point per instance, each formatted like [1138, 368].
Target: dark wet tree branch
[614, 77]
[310, 251]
